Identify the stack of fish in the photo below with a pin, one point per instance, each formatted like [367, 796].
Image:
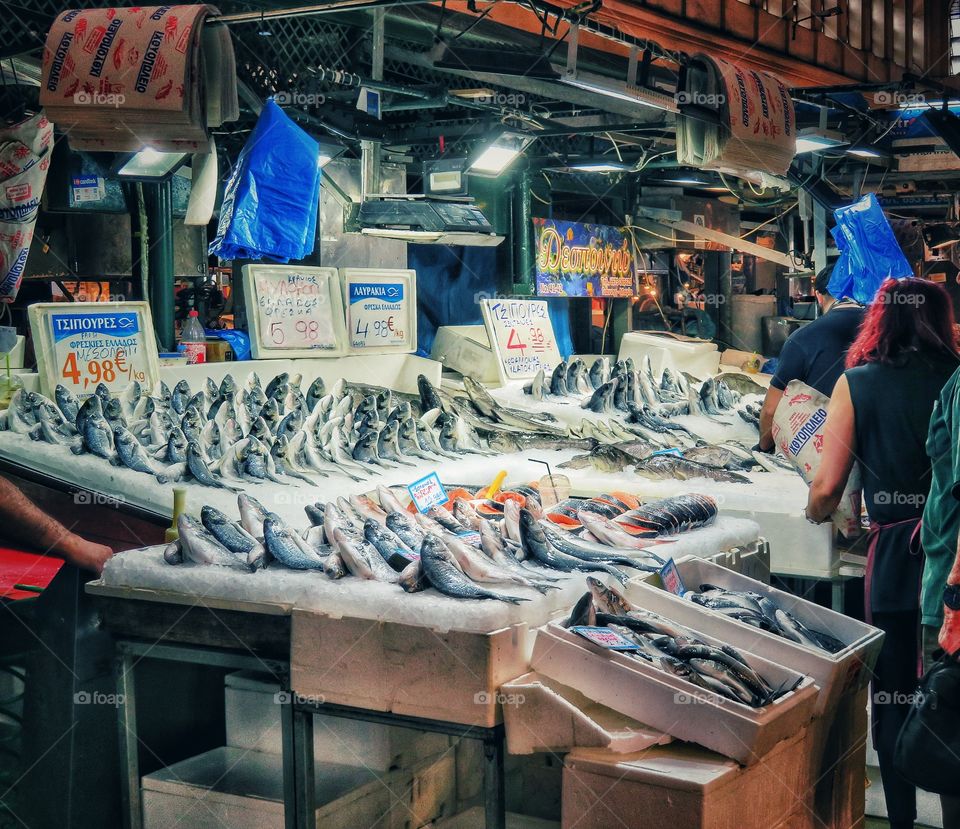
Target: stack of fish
[762, 612]
[474, 550]
[674, 649]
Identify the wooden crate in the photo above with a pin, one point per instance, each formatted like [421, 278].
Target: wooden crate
[682, 786]
[452, 676]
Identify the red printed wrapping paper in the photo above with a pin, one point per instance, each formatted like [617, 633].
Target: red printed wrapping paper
[119, 79]
[25, 150]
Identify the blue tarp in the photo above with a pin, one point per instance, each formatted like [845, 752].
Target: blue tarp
[451, 282]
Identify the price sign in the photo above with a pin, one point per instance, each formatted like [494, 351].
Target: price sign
[294, 311]
[670, 576]
[381, 310]
[84, 345]
[605, 638]
[427, 492]
[521, 334]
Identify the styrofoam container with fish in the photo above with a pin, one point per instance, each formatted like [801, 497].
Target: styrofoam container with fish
[672, 705]
[837, 674]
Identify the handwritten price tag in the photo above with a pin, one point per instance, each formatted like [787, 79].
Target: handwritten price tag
[427, 492]
[670, 576]
[93, 348]
[295, 310]
[522, 333]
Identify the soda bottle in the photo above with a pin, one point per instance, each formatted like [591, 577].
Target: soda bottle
[193, 340]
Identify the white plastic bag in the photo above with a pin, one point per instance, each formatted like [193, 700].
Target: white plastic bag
[798, 433]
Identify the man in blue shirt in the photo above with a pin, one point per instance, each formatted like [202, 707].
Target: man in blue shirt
[814, 354]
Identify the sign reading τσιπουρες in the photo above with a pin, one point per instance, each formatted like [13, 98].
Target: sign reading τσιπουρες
[428, 492]
[84, 344]
[521, 334]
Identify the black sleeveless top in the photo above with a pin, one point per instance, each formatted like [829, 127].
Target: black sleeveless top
[892, 405]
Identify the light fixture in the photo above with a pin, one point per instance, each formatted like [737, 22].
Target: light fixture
[940, 235]
[865, 152]
[149, 165]
[600, 166]
[500, 154]
[812, 140]
[621, 90]
[688, 180]
[329, 150]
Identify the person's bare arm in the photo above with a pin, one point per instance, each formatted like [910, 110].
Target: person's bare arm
[770, 403]
[25, 521]
[839, 448]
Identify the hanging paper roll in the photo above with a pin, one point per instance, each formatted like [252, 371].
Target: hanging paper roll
[756, 129]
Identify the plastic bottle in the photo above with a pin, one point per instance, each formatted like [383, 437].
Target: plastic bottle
[194, 340]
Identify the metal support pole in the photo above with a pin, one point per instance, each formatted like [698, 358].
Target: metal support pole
[159, 203]
[725, 277]
[523, 227]
[370, 150]
[129, 745]
[494, 796]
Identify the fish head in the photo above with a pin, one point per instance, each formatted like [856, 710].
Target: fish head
[182, 387]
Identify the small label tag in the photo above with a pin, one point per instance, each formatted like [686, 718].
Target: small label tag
[671, 578]
[427, 492]
[672, 451]
[605, 638]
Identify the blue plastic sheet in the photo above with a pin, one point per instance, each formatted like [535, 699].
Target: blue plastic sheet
[271, 199]
[239, 340]
[869, 252]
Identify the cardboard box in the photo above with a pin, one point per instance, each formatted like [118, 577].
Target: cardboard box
[672, 705]
[685, 787]
[542, 714]
[451, 675]
[836, 674]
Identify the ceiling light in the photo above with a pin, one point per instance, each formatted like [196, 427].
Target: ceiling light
[500, 154]
[149, 165]
[814, 140]
[865, 152]
[587, 166]
[329, 150]
[622, 91]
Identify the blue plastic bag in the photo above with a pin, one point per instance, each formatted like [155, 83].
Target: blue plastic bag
[869, 252]
[271, 199]
[239, 340]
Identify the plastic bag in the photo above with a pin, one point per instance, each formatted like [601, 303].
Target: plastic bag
[869, 252]
[24, 159]
[239, 340]
[271, 199]
[798, 433]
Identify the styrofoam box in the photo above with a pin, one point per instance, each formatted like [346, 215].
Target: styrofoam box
[541, 714]
[253, 722]
[697, 357]
[407, 669]
[243, 789]
[836, 674]
[672, 705]
[466, 348]
[685, 787]
[797, 547]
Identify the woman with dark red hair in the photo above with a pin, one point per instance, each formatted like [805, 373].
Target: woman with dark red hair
[878, 418]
